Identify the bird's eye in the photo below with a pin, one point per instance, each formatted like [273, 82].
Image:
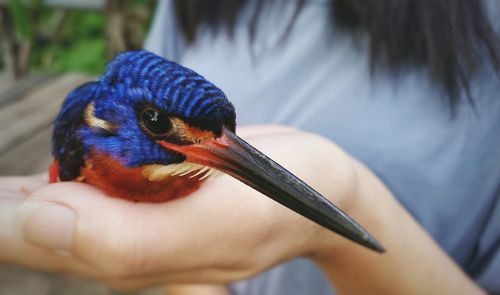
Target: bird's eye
[155, 122]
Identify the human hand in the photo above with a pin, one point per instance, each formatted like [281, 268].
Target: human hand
[223, 232]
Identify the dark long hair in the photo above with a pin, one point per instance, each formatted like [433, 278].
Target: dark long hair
[451, 39]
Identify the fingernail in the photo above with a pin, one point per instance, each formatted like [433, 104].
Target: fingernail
[45, 224]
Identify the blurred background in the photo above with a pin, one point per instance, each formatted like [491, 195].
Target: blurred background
[48, 47]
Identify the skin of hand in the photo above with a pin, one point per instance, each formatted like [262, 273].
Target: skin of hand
[225, 231]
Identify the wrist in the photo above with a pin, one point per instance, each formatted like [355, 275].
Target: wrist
[413, 262]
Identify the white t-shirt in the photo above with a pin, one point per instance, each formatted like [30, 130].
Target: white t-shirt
[444, 168]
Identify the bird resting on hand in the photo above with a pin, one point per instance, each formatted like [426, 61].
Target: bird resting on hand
[151, 130]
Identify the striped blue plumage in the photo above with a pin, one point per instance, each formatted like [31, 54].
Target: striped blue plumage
[177, 89]
[132, 81]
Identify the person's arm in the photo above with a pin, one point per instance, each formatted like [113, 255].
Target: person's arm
[413, 263]
[226, 231]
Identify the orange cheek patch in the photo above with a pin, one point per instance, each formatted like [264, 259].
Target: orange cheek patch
[200, 135]
[190, 133]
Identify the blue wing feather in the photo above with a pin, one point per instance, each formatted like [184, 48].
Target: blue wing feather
[67, 147]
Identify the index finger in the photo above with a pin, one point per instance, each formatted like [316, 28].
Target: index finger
[23, 185]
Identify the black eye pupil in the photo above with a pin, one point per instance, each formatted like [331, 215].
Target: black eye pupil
[156, 122]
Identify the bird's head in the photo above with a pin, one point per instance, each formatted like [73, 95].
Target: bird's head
[163, 121]
[143, 101]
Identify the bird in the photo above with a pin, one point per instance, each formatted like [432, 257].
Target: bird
[151, 130]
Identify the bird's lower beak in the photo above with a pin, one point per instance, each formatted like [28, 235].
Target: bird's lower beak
[234, 156]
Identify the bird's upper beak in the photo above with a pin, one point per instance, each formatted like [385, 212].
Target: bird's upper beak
[234, 156]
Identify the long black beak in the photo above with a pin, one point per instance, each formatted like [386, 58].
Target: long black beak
[234, 156]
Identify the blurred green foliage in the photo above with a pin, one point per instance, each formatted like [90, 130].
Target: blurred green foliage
[78, 46]
[21, 19]
[63, 40]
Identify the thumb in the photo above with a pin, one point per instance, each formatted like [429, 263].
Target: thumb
[55, 216]
[108, 234]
